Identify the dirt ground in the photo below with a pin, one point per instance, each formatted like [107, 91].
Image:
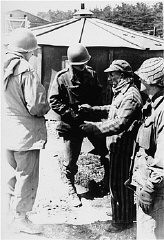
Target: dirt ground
[52, 210]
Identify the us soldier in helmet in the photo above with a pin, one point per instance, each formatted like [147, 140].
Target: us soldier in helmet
[25, 129]
[148, 173]
[75, 86]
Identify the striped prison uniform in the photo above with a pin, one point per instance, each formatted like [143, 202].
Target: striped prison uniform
[120, 129]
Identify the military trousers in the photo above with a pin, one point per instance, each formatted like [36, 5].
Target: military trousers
[72, 147]
[22, 179]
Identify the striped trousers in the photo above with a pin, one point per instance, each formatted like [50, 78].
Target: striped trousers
[122, 198]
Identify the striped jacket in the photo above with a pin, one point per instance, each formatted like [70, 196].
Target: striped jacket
[124, 110]
[120, 130]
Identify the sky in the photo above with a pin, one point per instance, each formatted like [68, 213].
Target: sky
[43, 6]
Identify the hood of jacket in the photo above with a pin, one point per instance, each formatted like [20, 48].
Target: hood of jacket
[11, 62]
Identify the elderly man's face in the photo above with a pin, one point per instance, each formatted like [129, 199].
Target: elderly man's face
[115, 77]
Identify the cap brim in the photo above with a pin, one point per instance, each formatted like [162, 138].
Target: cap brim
[111, 69]
[139, 75]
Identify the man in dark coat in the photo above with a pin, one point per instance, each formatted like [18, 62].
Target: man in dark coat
[120, 129]
[78, 84]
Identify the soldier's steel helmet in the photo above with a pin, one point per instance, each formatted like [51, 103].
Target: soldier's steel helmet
[152, 71]
[78, 54]
[120, 66]
[22, 40]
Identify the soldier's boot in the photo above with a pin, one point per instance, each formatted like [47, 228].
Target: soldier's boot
[23, 224]
[69, 181]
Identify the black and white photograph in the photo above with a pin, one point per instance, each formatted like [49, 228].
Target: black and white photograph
[82, 120]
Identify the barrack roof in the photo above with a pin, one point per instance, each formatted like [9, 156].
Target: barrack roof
[93, 32]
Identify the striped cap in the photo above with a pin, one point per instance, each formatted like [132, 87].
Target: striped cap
[152, 71]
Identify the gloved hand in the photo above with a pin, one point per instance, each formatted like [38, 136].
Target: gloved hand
[90, 129]
[146, 198]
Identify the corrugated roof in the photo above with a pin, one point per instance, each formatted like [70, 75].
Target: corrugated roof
[95, 32]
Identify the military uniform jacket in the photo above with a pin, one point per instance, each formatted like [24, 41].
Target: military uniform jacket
[149, 164]
[25, 103]
[72, 88]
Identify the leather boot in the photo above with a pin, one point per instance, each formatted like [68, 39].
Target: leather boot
[23, 224]
[68, 178]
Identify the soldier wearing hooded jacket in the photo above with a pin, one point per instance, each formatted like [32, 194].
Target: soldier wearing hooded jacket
[148, 173]
[25, 130]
